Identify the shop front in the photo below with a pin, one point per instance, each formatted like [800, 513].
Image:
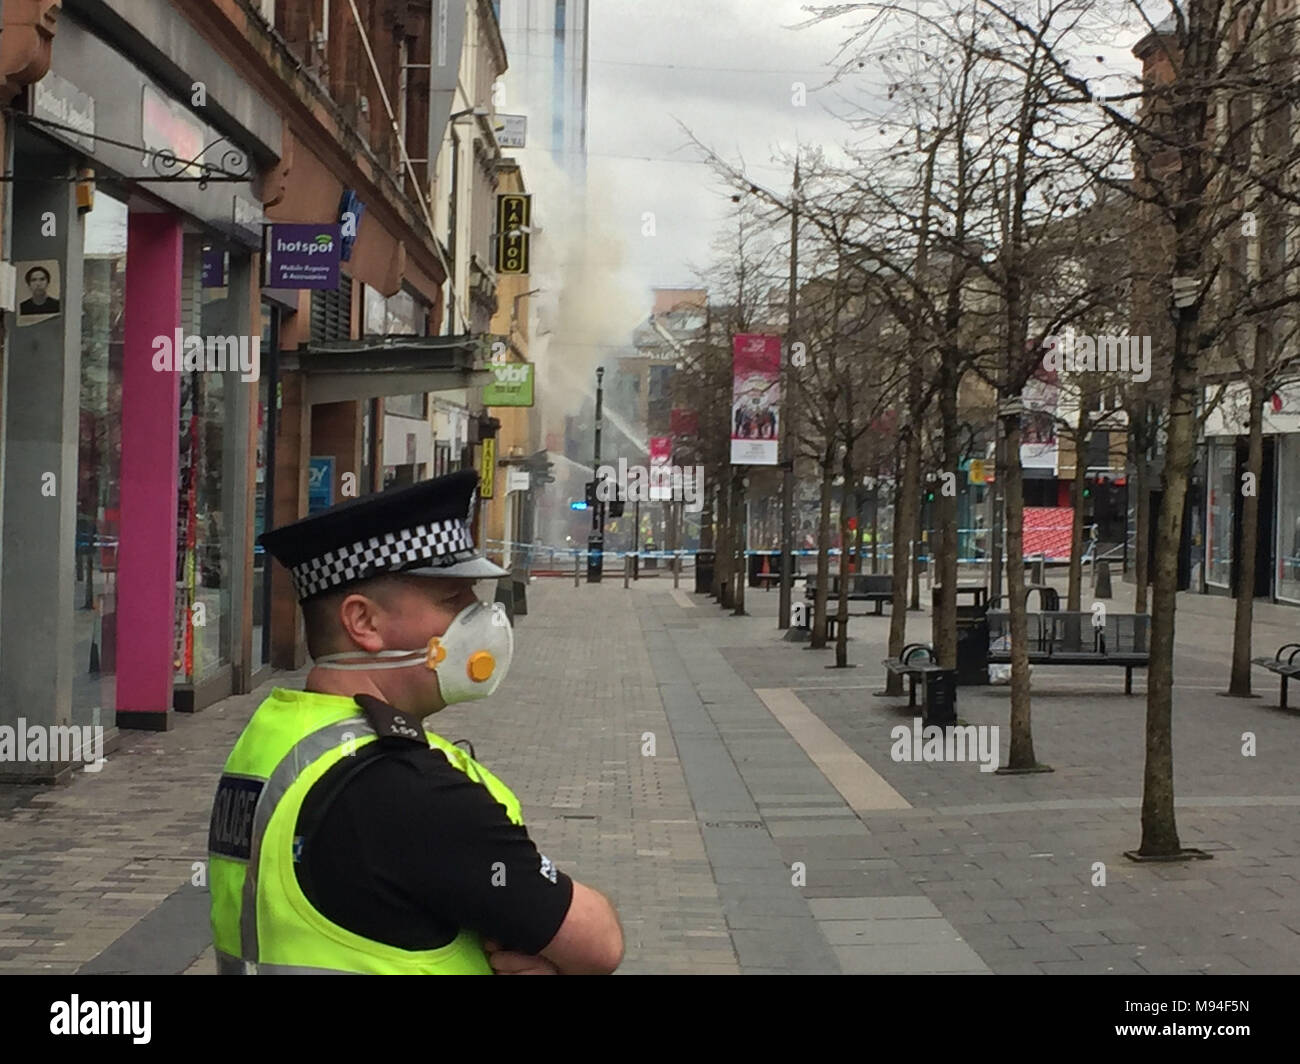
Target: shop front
[135, 229]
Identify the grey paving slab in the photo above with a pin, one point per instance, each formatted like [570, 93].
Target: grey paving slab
[910, 959]
[889, 932]
[886, 908]
[169, 939]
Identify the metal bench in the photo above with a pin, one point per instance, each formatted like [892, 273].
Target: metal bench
[1284, 669]
[865, 587]
[1122, 640]
[913, 662]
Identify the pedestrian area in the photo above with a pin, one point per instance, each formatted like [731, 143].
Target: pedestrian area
[740, 803]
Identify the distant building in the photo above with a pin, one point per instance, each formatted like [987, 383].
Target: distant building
[546, 42]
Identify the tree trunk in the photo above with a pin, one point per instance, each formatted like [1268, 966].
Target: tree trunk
[818, 641]
[858, 566]
[742, 543]
[875, 524]
[724, 555]
[918, 529]
[1141, 506]
[1159, 824]
[1021, 753]
[842, 634]
[906, 503]
[1074, 594]
[1239, 683]
[944, 620]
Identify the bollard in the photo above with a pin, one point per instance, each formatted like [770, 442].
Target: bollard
[577, 568]
[627, 569]
[1102, 589]
[677, 569]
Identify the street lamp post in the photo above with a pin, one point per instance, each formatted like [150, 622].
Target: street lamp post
[596, 537]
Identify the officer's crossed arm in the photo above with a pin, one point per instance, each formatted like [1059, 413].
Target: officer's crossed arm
[412, 850]
[590, 941]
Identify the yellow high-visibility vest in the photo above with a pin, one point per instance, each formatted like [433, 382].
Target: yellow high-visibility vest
[262, 923]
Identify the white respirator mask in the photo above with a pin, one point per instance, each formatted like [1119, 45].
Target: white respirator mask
[471, 657]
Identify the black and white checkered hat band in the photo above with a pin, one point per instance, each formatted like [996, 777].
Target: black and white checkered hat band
[438, 543]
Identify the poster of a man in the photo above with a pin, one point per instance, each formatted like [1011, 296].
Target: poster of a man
[42, 281]
[753, 416]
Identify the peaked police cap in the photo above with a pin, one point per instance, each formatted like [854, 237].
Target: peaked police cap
[423, 530]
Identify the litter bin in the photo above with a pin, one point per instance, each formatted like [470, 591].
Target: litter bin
[519, 587]
[972, 642]
[704, 560]
[506, 596]
[940, 703]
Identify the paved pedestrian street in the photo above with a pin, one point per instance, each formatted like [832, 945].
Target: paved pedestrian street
[738, 801]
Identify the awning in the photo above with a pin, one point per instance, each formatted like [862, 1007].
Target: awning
[377, 366]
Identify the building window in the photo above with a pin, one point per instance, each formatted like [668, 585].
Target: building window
[331, 313]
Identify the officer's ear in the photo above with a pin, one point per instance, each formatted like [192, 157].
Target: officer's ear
[359, 619]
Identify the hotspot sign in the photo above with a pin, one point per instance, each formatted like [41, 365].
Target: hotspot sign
[301, 256]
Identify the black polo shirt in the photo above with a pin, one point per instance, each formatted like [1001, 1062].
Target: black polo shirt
[398, 845]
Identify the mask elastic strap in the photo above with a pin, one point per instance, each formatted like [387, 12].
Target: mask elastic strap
[331, 661]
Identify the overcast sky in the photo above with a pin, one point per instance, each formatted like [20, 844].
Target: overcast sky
[727, 70]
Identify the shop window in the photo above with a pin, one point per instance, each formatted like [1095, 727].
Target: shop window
[1288, 518]
[205, 502]
[265, 492]
[99, 457]
[1221, 491]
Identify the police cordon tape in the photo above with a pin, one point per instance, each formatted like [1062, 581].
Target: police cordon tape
[568, 553]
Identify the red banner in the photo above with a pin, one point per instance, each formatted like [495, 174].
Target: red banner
[755, 399]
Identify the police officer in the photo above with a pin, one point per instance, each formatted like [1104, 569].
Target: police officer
[345, 836]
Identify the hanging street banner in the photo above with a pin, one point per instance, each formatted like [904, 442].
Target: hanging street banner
[301, 256]
[514, 209]
[513, 385]
[755, 399]
[661, 469]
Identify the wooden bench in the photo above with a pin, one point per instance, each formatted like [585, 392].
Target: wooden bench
[1285, 669]
[1122, 640]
